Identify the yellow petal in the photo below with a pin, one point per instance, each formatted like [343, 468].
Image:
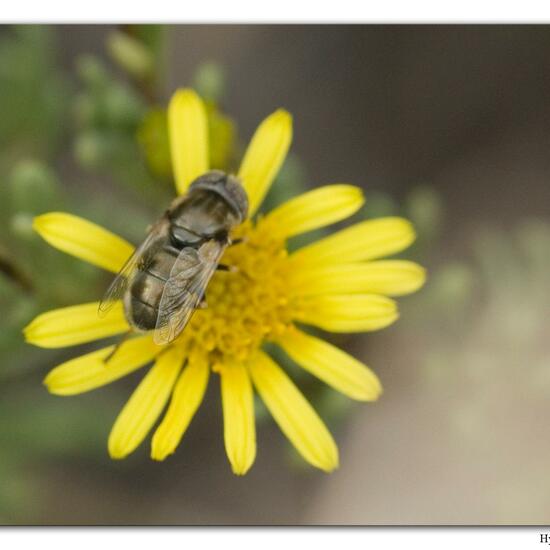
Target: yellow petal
[265, 155]
[347, 313]
[332, 365]
[73, 325]
[188, 129]
[315, 209]
[238, 417]
[294, 415]
[146, 403]
[89, 371]
[83, 239]
[363, 241]
[187, 397]
[390, 277]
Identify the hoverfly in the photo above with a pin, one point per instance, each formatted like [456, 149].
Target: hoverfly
[165, 279]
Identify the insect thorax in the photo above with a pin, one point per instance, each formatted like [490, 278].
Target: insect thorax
[202, 214]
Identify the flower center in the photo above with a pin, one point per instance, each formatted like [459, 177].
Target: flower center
[245, 306]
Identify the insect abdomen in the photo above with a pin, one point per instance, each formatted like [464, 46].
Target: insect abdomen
[147, 287]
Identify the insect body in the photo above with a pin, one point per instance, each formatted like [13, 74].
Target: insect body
[164, 281]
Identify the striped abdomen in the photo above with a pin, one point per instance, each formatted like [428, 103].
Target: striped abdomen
[145, 292]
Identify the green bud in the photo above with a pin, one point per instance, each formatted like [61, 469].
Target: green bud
[89, 150]
[153, 139]
[222, 138]
[21, 226]
[131, 54]
[333, 406]
[92, 71]
[33, 188]
[85, 110]
[122, 108]
[425, 210]
[209, 81]
[453, 284]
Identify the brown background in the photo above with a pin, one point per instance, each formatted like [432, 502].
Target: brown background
[464, 109]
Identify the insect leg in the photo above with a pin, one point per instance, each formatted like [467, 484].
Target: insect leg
[117, 347]
[230, 268]
[242, 240]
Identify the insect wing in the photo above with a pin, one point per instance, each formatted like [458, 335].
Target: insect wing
[185, 288]
[120, 283]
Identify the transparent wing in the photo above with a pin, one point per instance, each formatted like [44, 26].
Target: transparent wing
[120, 283]
[185, 288]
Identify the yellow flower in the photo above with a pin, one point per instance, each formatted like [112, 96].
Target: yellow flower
[338, 284]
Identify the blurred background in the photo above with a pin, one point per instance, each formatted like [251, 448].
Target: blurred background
[446, 125]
